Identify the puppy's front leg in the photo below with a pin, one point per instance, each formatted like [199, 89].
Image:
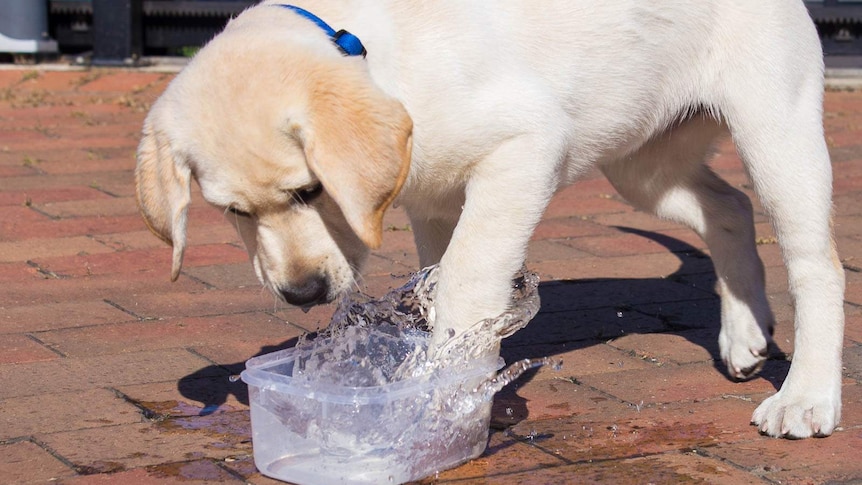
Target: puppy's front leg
[505, 198]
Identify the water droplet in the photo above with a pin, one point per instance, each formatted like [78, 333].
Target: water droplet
[619, 314]
[234, 378]
[509, 412]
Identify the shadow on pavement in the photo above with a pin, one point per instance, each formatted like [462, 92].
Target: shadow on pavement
[579, 313]
[213, 392]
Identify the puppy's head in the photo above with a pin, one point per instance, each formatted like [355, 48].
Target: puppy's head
[293, 141]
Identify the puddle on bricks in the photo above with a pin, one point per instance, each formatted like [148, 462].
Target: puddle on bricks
[224, 431]
[200, 470]
[639, 470]
[590, 440]
[234, 428]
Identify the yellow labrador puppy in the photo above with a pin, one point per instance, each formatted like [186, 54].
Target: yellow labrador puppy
[473, 113]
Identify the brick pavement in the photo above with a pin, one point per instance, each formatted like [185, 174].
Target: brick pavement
[111, 374]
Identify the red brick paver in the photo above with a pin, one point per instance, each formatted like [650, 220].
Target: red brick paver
[109, 373]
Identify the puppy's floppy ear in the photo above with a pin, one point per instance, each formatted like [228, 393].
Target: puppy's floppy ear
[358, 142]
[163, 189]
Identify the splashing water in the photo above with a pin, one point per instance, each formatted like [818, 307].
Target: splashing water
[376, 342]
[384, 344]
[514, 371]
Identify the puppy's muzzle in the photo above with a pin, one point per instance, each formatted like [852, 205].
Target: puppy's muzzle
[312, 291]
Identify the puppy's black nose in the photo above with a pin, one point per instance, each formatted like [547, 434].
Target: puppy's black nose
[310, 292]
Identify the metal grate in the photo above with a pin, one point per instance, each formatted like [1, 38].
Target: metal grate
[839, 23]
[132, 28]
[168, 25]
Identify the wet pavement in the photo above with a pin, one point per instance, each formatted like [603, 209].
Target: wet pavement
[109, 373]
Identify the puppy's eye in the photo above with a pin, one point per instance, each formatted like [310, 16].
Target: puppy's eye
[237, 212]
[306, 195]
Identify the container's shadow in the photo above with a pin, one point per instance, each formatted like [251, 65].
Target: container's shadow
[575, 314]
[212, 385]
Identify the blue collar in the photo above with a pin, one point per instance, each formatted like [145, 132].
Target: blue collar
[348, 43]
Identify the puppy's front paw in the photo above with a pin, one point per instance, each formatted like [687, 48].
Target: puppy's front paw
[791, 416]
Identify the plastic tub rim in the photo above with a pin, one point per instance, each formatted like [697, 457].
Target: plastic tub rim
[257, 375]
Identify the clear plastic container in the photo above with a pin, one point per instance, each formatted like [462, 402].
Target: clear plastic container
[317, 433]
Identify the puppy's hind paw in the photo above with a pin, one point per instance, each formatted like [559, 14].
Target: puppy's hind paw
[744, 348]
[797, 417]
[744, 362]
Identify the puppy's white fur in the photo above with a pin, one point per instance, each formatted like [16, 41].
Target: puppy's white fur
[509, 101]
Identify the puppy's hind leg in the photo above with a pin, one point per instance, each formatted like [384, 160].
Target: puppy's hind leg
[668, 178]
[432, 237]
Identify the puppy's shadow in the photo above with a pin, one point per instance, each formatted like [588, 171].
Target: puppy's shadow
[579, 313]
[575, 314]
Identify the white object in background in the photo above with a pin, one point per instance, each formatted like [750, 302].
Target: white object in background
[26, 46]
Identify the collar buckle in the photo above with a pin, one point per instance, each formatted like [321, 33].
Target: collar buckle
[349, 43]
